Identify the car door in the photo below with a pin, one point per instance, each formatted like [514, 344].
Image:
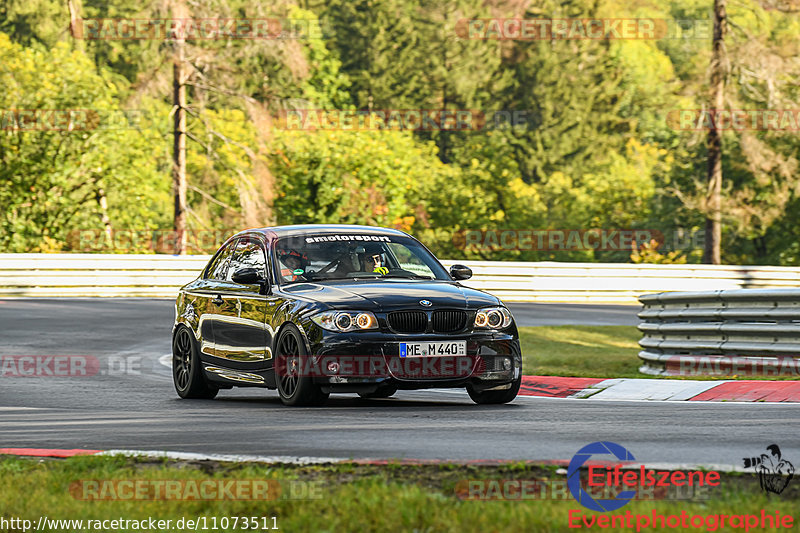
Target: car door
[203, 296]
[274, 301]
[239, 329]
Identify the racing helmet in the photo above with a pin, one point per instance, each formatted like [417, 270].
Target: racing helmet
[286, 254]
[370, 249]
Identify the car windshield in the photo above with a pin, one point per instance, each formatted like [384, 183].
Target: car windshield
[354, 256]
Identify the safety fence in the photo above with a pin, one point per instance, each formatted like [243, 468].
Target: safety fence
[727, 332]
[161, 275]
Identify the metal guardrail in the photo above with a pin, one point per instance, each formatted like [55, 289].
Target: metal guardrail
[727, 332]
[615, 282]
[161, 276]
[96, 274]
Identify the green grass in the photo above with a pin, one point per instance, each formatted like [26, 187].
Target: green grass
[353, 497]
[581, 351]
[592, 351]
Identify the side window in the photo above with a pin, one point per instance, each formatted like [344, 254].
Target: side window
[249, 254]
[218, 267]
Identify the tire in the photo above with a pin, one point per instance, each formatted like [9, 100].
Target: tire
[296, 390]
[495, 396]
[382, 392]
[187, 375]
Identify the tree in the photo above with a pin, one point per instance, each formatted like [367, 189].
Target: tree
[755, 67]
[712, 254]
[82, 164]
[179, 12]
[367, 177]
[404, 54]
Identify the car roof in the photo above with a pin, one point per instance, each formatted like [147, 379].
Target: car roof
[277, 232]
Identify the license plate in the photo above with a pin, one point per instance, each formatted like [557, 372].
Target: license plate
[432, 349]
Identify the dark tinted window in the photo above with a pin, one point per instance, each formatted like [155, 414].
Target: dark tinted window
[218, 267]
[249, 253]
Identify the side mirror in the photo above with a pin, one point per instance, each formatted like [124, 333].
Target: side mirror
[460, 272]
[248, 276]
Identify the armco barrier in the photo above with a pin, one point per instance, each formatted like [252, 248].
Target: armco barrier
[727, 332]
[161, 275]
[615, 282]
[96, 274]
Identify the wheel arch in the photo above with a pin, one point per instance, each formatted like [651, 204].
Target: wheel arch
[303, 335]
[197, 383]
[194, 334]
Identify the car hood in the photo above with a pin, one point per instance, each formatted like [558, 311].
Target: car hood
[387, 295]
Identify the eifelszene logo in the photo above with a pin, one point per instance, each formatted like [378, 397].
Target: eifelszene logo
[574, 477]
[623, 475]
[774, 472]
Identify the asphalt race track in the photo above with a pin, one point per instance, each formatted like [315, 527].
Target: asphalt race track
[131, 404]
[528, 314]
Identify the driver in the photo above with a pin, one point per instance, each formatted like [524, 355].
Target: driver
[372, 259]
[293, 264]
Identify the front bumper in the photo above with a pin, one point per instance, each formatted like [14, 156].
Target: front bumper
[367, 361]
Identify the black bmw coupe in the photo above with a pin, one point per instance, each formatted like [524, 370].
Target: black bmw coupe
[320, 309]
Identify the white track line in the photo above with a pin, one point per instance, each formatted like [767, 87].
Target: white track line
[310, 460]
[649, 402]
[191, 456]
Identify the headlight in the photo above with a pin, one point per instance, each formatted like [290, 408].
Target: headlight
[493, 318]
[346, 320]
